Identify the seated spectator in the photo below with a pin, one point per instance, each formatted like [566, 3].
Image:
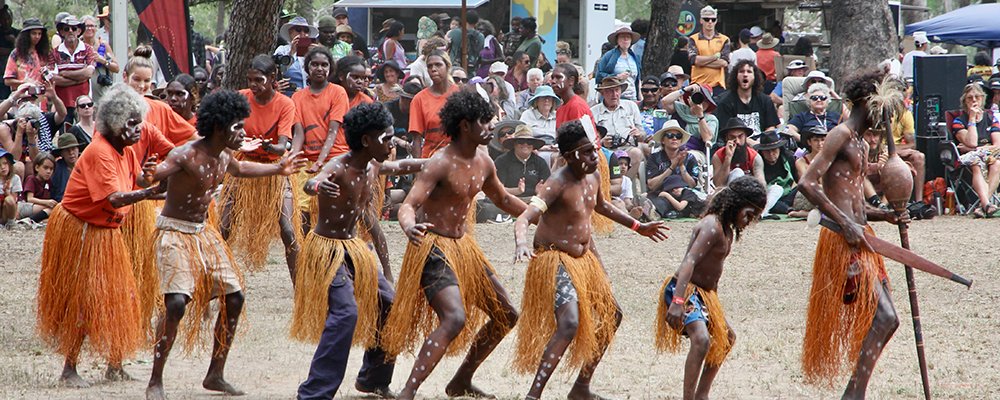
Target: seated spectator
[10, 189]
[677, 200]
[388, 87]
[818, 96]
[622, 120]
[503, 95]
[36, 201]
[541, 118]
[903, 135]
[797, 70]
[812, 139]
[736, 158]
[650, 92]
[670, 160]
[84, 127]
[521, 170]
[535, 78]
[744, 52]
[976, 133]
[37, 135]
[501, 132]
[779, 173]
[68, 151]
[614, 169]
[745, 100]
[626, 200]
[668, 84]
[692, 109]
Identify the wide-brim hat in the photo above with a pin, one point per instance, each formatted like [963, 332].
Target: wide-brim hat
[817, 74]
[298, 21]
[611, 82]
[795, 64]
[671, 126]
[709, 103]
[545, 91]
[678, 72]
[342, 29]
[735, 123]
[66, 141]
[522, 134]
[769, 140]
[501, 127]
[767, 41]
[613, 37]
[391, 65]
[32, 23]
[673, 182]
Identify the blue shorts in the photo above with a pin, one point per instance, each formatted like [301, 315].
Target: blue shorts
[694, 310]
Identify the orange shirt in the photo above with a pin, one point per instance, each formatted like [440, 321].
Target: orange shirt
[173, 126]
[315, 111]
[99, 173]
[152, 141]
[424, 119]
[340, 142]
[269, 121]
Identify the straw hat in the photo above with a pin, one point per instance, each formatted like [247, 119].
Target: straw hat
[767, 41]
[522, 134]
[671, 126]
[611, 82]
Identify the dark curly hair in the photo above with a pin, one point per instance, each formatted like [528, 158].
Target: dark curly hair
[862, 85]
[732, 82]
[221, 109]
[364, 119]
[463, 106]
[569, 135]
[316, 52]
[727, 203]
[22, 46]
[344, 65]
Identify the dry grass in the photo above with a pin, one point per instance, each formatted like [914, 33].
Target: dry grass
[764, 288]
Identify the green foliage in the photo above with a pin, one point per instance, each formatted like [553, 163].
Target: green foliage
[46, 10]
[628, 10]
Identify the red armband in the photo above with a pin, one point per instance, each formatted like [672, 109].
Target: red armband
[635, 225]
[316, 187]
[678, 300]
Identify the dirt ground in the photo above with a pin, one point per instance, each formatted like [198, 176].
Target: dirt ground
[765, 290]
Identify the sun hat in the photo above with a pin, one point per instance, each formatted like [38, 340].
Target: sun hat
[503, 128]
[706, 93]
[767, 42]
[678, 72]
[522, 134]
[611, 82]
[769, 140]
[625, 29]
[733, 124]
[545, 91]
[298, 21]
[66, 141]
[671, 126]
[498, 66]
[380, 73]
[68, 20]
[32, 23]
[817, 74]
[796, 64]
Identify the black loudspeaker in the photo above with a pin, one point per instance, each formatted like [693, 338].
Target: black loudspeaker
[938, 83]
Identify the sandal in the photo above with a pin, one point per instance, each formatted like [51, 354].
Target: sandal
[990, 210]
[978, 213]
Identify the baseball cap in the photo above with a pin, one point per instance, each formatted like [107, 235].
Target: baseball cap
[709, 12]
[755, 31]
[651, 80]
[339, 11]
[498, 67]
[796, 64]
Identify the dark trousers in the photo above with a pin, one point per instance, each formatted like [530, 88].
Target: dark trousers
[330, 361]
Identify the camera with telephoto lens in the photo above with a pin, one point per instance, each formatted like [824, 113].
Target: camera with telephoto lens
[697, 97]
[618, 141]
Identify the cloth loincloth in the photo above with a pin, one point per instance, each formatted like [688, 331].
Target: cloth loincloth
[701, 305]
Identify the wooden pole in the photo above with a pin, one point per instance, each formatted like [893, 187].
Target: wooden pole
[465, 44]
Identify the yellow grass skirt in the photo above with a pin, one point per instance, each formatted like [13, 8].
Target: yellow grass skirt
[602, 224]
[137, 231]
[834, 330]
[318, 263]
[412, 318]
[255, 209]
[203, 252]
[669, 339]
[537, 323]
[86, 289]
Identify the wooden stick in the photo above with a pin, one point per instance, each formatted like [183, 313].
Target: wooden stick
[918, 335]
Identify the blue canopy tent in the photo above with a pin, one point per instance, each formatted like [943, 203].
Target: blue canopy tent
[974, 25]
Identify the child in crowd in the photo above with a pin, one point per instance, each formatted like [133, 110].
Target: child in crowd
[36, 201]
[681, 201]
[10, 187]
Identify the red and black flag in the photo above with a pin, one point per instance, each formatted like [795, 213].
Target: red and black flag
[164, 24]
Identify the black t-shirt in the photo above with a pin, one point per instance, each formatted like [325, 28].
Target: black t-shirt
[759, 114]
[695, 204]
[510, 170]
[782, 173]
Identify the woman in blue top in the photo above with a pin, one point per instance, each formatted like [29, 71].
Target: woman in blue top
[621, 61]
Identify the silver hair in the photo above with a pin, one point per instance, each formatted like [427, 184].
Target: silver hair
[819, 87]
[28, 111]
[90, 18]
[536, 72]
[117, 105]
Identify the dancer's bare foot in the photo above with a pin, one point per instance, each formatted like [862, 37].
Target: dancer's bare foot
[70, 378]
[155, 393]
[220, 385]
[382, 392]
[117, 374]
[580, 392]
[466, 389]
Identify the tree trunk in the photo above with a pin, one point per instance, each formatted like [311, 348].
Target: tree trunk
[858, 40]
[911, 16]
[304, 9]
[662, 36]
[253, 26]
[220, 18]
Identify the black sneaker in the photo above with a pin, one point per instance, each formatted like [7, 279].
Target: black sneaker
[919, 210]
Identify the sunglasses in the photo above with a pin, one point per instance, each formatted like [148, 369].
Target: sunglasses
[460, 80]
[669, 84]
[85, 105]
[818, 98]
[649, 90]
[709, 19]
[673, 135]
[70, 28]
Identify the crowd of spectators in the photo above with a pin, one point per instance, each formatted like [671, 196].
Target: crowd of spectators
[671, 138]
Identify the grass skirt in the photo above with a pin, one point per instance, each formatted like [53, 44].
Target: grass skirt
[602, 224]
[834, 330]
[86, 289]
[137, 230]
[255, 206]
[318, 263]
[412, 318]
[203, 252]
[669, 339]
[537, 323]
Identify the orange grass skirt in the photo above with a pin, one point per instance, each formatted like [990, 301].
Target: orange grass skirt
[602, 224]
[137, 230]
[668, 339]
[318, 263]
[537, 323]
[834, 330]
[412, 318]
[86, 290]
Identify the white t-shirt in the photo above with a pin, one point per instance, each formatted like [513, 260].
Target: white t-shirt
[744, 53]
[15, 185]
[907, 67]
[626, 188]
